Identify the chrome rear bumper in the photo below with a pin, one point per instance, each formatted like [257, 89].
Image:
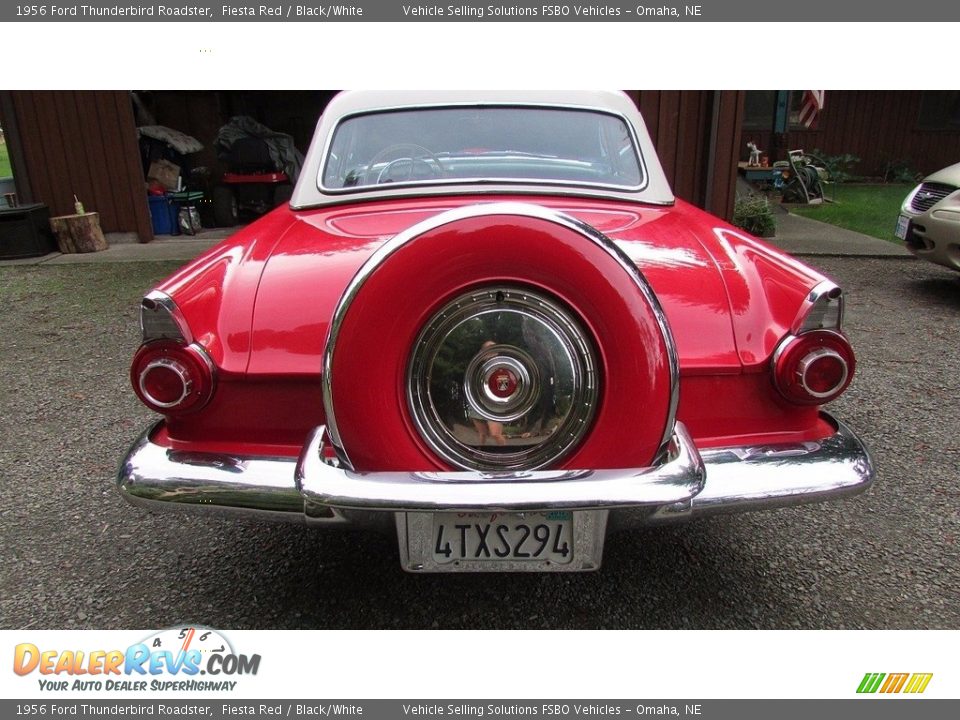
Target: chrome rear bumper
[688, 484]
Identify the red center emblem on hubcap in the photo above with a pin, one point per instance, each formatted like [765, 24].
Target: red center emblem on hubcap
[502, 383]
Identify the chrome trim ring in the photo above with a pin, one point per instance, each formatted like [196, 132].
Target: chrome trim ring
[787, 344]
[177, 369]
[804, 365]
[542, 379]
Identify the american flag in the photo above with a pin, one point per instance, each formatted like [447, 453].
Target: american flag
[811, 107]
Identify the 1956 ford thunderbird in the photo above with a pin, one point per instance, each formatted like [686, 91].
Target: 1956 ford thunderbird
[485, 323]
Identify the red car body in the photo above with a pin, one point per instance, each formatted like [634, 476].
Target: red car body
[312, 292]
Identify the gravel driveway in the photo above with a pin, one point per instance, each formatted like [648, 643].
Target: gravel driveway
[76, 556]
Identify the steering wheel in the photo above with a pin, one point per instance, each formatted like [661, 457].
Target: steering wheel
[415, 155]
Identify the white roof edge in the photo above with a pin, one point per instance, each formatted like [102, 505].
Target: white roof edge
[308, 193]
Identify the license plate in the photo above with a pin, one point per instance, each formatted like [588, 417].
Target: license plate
[544, 537]
[903, 227]
[493, 541]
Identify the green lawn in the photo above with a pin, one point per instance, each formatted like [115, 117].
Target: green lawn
[5, 170]
[868, 209]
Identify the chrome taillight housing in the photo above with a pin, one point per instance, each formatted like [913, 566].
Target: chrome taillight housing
[170, 373]
[172, 378]
[814, 367]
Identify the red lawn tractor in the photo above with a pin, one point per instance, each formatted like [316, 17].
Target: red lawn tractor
[253, 184]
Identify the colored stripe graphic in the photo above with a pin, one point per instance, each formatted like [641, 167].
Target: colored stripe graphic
[894, 683]
[870, 682]
[918, 682]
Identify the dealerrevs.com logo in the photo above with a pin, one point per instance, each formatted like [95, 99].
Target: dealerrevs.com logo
[910, 683]
[170, 660]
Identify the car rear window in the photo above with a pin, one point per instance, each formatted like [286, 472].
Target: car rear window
[482, 144]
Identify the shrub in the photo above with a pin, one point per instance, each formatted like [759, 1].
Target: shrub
[839, 167]
[753, 214]
[899, 171]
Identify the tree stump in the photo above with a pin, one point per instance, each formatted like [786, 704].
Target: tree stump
[78, 233]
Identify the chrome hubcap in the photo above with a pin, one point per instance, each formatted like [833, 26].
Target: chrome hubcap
[502, 378]
[501, 383]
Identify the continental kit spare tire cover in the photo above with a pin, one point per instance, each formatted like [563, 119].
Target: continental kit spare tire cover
[499, 337]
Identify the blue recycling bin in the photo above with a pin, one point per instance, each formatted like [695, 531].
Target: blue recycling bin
[162, 214]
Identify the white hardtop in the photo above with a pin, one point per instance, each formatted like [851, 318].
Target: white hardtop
[310, 192]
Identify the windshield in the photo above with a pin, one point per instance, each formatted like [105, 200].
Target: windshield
[482, 144]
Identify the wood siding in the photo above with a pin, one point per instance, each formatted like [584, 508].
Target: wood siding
[84, 143]
[697, 136]
[878, 126]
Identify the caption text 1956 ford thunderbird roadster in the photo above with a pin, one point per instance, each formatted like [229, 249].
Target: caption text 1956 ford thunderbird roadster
[485, 323]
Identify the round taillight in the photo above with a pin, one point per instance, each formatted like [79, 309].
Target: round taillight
[813, 368]
[166, 382]
[822, 372]
[171, 378]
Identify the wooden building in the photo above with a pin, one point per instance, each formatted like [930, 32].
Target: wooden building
[63, 143]
[886, 129]
[697, 136]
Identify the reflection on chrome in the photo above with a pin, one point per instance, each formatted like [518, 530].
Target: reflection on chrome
[160, 318]
[678, 478]
[688, 484]
[502, 378]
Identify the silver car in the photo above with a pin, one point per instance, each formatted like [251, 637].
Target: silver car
[929, 220]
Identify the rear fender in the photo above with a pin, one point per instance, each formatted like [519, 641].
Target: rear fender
[215, 293]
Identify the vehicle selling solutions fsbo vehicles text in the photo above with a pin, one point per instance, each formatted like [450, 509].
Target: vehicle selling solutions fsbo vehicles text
[554, 709]
[501, 10]
[480, 12]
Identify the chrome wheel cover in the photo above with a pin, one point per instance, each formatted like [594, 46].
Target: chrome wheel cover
[502, 378]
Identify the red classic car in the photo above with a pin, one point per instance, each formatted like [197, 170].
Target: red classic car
[485, 323]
